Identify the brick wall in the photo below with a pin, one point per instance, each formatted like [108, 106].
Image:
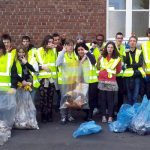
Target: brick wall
[37, 18]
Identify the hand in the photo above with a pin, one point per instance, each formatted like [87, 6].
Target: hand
[44, 67]
[65, 48]
[94, 45]
[85, 51]
[51, 45]
[24, 83]
[29, 83]
[23, 59]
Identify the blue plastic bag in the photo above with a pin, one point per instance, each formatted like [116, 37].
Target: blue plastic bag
[124, 117]
[141, 121]
[87, 128]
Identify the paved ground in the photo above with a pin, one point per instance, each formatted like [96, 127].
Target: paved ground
[53, 136]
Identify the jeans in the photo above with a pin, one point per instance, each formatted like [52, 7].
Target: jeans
[133, 89]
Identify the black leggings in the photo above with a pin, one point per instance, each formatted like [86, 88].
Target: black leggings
[106, 99]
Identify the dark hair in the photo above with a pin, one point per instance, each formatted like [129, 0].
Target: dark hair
[55, 34]
[133, 36]
[119, 33]
[26, 38]
[115, 53]
[45, 40]
[100, 35]
[81, 45]
[148, 31]
[2, 46]
[6, 37]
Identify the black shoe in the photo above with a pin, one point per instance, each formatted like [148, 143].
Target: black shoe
[43, 118]
[49, 119]
[88, 119]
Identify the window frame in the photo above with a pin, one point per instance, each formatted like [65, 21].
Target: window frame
[128, 26]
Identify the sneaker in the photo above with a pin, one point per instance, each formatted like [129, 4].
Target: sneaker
[110, 119]
[71, 119]
[63, 121]
[104, 120]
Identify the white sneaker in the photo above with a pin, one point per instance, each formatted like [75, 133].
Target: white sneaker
[70, 119]
[95, 111]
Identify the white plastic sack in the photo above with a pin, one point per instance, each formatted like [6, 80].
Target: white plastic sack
[25, 117]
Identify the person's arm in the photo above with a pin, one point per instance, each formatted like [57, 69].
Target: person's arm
[30, 67]
[14, 76]
[91, 58]
[140, 63]
[98, 63]
[60, 58]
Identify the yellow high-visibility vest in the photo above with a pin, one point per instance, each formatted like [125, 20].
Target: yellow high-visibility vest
[6, 62]
[129, 71]
[47, 58]
[89, 72]
[109, 66]
[146, 55]
[68, 72]
[36, 83]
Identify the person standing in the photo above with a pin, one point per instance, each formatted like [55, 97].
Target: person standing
[146, 54]
[46, 58]
[110, 65]
[134, 71]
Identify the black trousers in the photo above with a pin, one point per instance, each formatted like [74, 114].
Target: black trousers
[106, 99]
[93, 99]
[147, 89]
[121, 92]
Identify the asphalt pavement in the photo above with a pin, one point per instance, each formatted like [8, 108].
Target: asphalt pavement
[54, 136]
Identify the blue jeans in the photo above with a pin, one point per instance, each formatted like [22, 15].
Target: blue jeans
[133, 89]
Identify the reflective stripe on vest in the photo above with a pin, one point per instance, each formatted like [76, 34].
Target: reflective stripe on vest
[90, 76]
[72, 60]
[51, 65]
[146, 51]
[109, 66]
[129, 71]
[5, 79]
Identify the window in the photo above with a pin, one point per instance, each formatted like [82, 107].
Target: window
[128, 16]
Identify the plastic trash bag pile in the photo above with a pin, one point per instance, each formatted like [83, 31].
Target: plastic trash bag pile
[7, 115]
[87, 128]
[25, 117]
[5, 132]
[134, 118]
[76, 97]
[141, 121]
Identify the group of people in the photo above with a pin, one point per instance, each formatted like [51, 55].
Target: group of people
[95, 75]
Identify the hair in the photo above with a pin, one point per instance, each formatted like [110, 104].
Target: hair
[100, 35]
[26, 38]
[2, 46]
[23, 48]
[6, 37]
[133, 36]
[115, 53]
[148, 31]
[55, 34]
[81, 45]
[69, 41]
[45, 40]
[119, 33]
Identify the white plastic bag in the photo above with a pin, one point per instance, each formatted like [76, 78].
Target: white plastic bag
[25, 117]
